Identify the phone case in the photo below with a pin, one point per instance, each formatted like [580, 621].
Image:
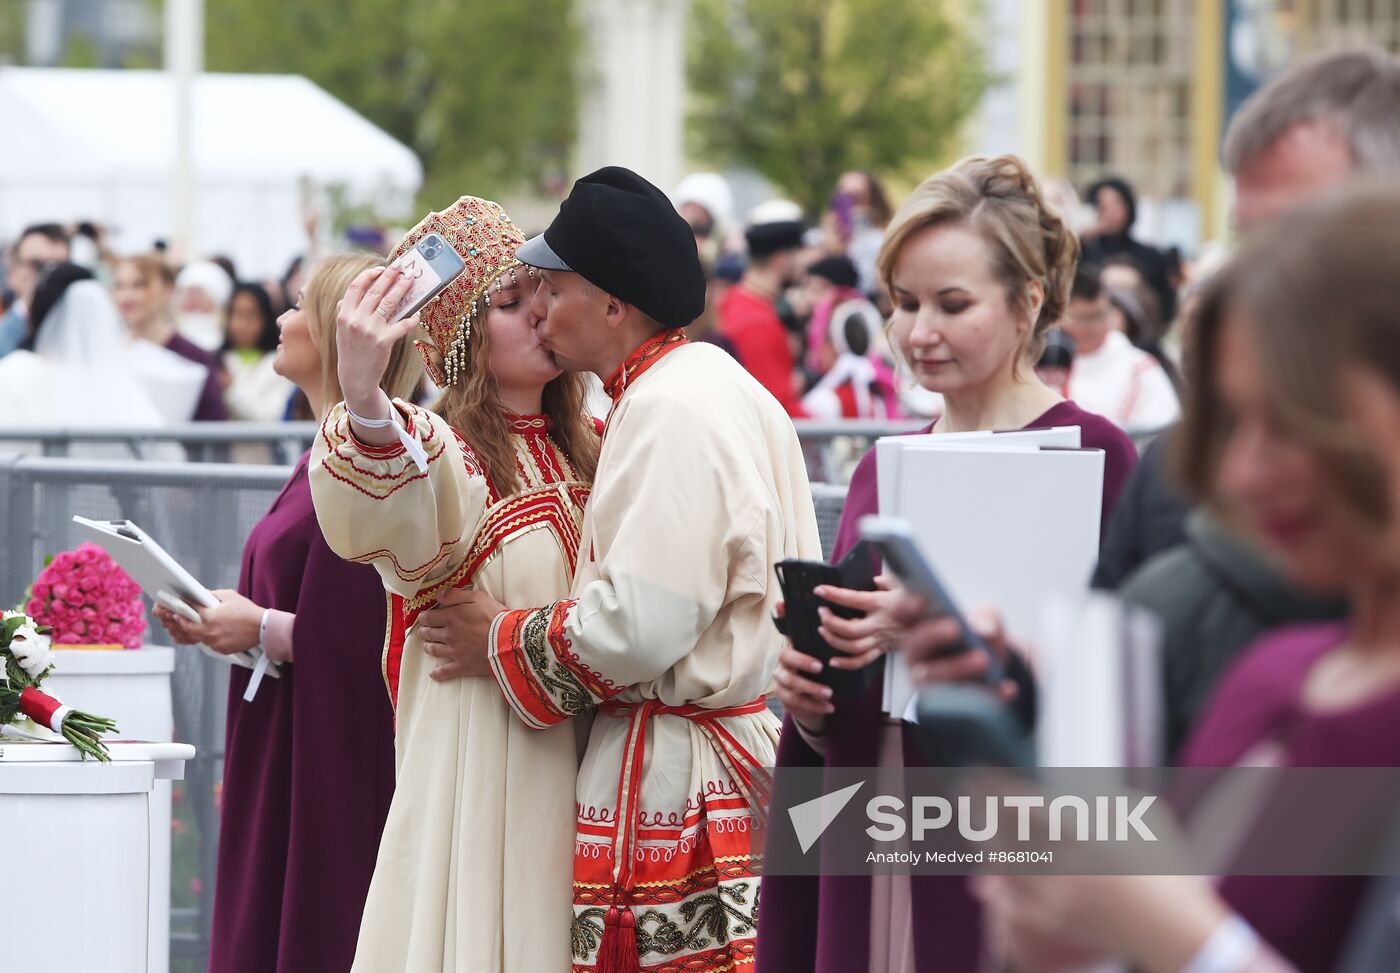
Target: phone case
[798, 579]
[431, 264]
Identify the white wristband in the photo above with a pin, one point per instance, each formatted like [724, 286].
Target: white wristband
[414, 447]
[259, 667]
[373, 423]
[1230, 948]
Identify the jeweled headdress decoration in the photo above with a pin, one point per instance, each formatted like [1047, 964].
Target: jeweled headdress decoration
[486, 239]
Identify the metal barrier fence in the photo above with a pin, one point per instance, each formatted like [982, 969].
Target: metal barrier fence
[831, 449]
[201, 442]
[201, 513]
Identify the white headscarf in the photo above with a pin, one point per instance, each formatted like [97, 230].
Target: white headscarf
[83, 373]
[204, 328]
[710, 190]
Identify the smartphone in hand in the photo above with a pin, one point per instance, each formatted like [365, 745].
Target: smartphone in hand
[893, 539]
[798, 579]
[432, 264]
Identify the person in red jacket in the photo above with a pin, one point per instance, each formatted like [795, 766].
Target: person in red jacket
[748, 316]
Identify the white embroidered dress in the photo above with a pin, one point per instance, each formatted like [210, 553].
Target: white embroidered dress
[473, 873]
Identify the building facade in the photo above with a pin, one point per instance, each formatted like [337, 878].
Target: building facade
[1144, 88]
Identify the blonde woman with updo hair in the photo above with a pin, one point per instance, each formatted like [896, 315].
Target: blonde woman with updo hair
[144, 288]
[309, 759]
[979, 268]
[483, 494]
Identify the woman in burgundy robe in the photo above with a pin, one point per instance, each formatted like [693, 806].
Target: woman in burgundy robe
[970, 327]
[309, 761]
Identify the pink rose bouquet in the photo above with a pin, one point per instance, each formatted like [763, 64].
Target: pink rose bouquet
[87, 599]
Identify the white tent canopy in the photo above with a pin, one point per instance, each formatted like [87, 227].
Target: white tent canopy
[100, 146]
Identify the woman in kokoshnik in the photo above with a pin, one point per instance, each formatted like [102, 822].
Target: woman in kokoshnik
[486, 492]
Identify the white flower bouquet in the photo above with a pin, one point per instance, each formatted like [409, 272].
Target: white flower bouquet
[26, 656]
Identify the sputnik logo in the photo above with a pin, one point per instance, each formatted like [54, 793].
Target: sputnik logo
[810, 819]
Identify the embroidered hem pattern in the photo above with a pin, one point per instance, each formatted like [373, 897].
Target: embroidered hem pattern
[693, 889]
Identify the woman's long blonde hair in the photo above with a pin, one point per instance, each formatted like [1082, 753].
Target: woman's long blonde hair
[320, 298]
[473, 407]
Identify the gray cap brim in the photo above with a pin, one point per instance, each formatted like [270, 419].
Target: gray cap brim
[537, 253]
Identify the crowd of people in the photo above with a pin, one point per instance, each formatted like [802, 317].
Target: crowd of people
[801, 306]
[523, 724]
[162, 343]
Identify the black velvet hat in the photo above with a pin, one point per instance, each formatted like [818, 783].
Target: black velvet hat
[769, 238]
[621, 234]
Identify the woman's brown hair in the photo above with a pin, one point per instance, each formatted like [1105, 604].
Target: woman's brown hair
[1000, 199]
[1318, 291]
[473, 407]
[320, 301]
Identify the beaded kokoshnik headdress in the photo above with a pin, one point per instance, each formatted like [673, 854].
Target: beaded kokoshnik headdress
[486, 239]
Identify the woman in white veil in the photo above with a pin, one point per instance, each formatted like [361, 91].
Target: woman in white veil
[80, 369]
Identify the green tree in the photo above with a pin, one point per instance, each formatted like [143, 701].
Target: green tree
[12, 31]
[80, 52]
[802, 90]
[483, 91]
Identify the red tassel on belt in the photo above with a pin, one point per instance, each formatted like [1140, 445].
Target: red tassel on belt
[617, 953]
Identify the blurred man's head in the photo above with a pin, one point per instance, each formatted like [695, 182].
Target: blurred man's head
[1090, 315]
[822, 279]
[1310, 128]
[38, 246]
[773, 251]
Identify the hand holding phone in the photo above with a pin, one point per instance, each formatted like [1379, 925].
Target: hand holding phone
[431, 264]
[893, 539]
[798, 580]
[842, 206]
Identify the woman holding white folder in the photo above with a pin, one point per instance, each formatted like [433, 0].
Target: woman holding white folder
[979, 268]
[309, 760]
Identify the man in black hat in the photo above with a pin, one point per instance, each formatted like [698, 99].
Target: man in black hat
[700, 489]
[748, 314]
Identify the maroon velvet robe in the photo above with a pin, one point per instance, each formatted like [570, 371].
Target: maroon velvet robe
[309, 764]
[1305, 918]
[822, 925]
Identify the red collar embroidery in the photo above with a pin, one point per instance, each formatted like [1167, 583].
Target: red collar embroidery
[648, 354]
[528, 425]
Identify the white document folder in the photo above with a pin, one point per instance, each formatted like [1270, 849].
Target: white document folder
[162, 578]
[1006, 519]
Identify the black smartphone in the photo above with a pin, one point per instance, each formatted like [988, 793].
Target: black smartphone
[799, 579]
[893, 539]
